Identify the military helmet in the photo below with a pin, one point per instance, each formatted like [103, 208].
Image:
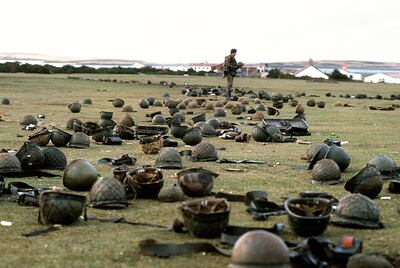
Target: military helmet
[312, 151]
[385, 165]
[257, 101]
[368, 181]
[124, 132]
[204, 151]
[196, 182]
[199, 124]
[357, 211]
[79, 175]
[42, 137]
[228, 105]
[118, 103]
[339, 155]
[156, 103]
[108, 192]
[146, 182]
[300, 109]
[178, 131]
[30, 156]
[273, 131]
[179, 116]
[75, 107]
[28, 120]
[87, 101]
[59, 137]
[294, 103]
[54, 158]
[145, 104]
[320, 154]
[259, 134]
[198, 118]
[171, 193]
[5, 101]
[106, 115]
[173, 111]
[127, 120]
[70, 123]
[208, 130]
[165, 94]
[171, 104]
[257, 116]
[182, 106]
[260, 249]
[60, 208]
[361, 260]
[9, 163]
[219, 104]
[106, 123]
[206, 218]
[311, 103]
[208, 106]
[219, 112]
[151, 100]
[159, 119]
[235, 109]
[261, 107]
[214, 122]
[127, 108]
[192, 136]
[321, 104]
[325, 171]
[79, 140]
[169, 158]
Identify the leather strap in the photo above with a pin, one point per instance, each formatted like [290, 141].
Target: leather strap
[42, 231]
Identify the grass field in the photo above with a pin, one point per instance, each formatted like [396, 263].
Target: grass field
[95, 244]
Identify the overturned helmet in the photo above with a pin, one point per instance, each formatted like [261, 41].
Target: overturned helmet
[196, 182]
[108, 192]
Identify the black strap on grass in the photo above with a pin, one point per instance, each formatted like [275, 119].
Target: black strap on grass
[42, 231]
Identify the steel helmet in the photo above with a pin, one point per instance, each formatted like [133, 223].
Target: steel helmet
[79, 175]
[208, 130]
[118, 103]
[127, 120]
[54, 159]
[368, 181]
[169, 158]
[30, 156]
[108, 192]
[385, 165]
[28, 120]
[204, 151]
[259, 134]
[159, 119]
[42, 137]
[196, 182]
[59, 137]
[79, 140]
[325, 171]
[9, 163]
[87, 101]
[171, 193]
[75, 107]
[339, 155]
[192, 136]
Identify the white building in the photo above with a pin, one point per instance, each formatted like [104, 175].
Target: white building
[312, 72]
[205, 67]
[354, 76]
[390, 78]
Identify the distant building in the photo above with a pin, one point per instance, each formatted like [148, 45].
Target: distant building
[390, 78]
[312, 72]
[353, 76]
[204, 67]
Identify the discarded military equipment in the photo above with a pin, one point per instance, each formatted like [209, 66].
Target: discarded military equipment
[321, 104]
[259, 134]
[292, 127]
[204, 151]
[79, 140]
[219, 112]
[9, 163]
[30, 156]
[320, 154]
[5, 101]
[339, 155]
[368, 181]
[102, 134]
[312, 151]
[208, 130]
[79, 175]
[28, 120]
[127, 120]
[308, 216]
[70, 123]
[151, 100]
[325, 171]
[75, 107]
[173, 111]
[257, 116]
[150, 130]
[171, 193]
[192, 136]
[243, 137]
[87, 101]
[206, 218]
[357, 211]
[261, 107]
[106, 123]
[146, 182]
[361, 260]
[106, 115]
[168, 158]
[144, 104]
[125, 132]
[41, 138]
[159, 119]
[118, 103]
[59, 137]
[151, 144]
[311, 103]
[214, 122]
[91, 128]
[394, 186]
[196, 182]
[300, 109]
[156, 103]
[260, 249]
[385, 165]
[127, 109]
[60, 208]
[54, 159]
[178, 131]
[108, 192]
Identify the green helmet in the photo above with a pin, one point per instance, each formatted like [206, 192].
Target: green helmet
[325, 171]
[204, 151]
[87, 101]
[260, 249]
[60, 208]
[319, 155]
[368, 181]
[357, 211]
[79, 140]
[178, 131]
[259, 134]
[144, 104]
[79, 175]
[70, 123]
[159, 119]
[118, 103]
[5, 101]
[59, 137]
[9, 163]
[127, 108]
[106, 123]
[75, 107]
[274, 132]
[179, 116]
[42, 137]
[339, 155]
[28, 120]
[311, 103]
[214, 122]
[361, 260]
[171, 193]
[168, 158]
[157, 103]
[108, 192]
[106, 115]
[261, 107]
[127, 120]
[54, 158]
[385, 165]
[151, 100]
[146, 182]
[208, 130]
[321, 104]
[192, 136]
[208, 105]
[182, 106]
[30, 156]
[219, 112]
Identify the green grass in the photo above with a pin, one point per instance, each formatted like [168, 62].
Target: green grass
[95, 244]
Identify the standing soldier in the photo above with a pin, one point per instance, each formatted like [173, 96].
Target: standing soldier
[230, 68]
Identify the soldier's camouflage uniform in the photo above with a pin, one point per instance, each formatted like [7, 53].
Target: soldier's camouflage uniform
[230, 68]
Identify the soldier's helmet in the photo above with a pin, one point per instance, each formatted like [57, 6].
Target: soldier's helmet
[196, 182]
[368, 181]
[214, 122]
[219, 112]
[151, 100]
[357, 211]
[145, 104]
[70, 123]
[157, 103]
[325, 171]
[192, 136]
[87, 101]
[385, 165]
[179, 116]
[178, 131]
[79, 175]
[235, 109]
[311, 103]
[300, 109]
[30, 156]
[319, 155]
[261, 107]
[312, 151]
[75, 107]
[127, 120]
[60, 208]
[54, 158]
[127, 108]
[257, 116]
[159, 119]
[321, 104]
[361, 260]
[42, 137]
[118, 103]
[208, 106]
[339, 155]
[259, 134]
[59, 137]
[28, 120]
[260, 249]
[168, 158]
[274, 132]
[79, 140]
[108, 192]
[182, 106]
[5, 101]
[204, 151]
[208, 130]
[171, 193]
[9, 163]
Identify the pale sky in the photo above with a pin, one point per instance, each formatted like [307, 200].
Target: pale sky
[171, 31]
